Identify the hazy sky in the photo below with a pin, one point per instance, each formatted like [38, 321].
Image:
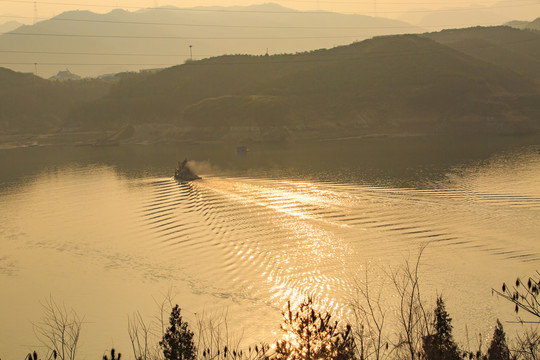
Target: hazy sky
[383, 8]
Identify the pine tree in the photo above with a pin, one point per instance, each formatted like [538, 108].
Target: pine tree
[311, 334]
[177, 342]
[440, 345]
[498, 349]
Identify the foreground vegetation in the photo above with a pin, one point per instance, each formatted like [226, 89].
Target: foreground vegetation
[309, 332]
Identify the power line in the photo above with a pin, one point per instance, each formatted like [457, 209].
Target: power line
[394, 3]
[186, 37]
[532, 2]
[405, 25]
[85, 64]
[156, 55]
[286, 60]
[531, 39]
[90, 53]
[289, 11]
[279, 59]
[207, 9]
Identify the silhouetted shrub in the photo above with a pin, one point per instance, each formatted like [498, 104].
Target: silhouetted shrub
[310, 334]
[177, 342]
[32, 356]
[113, 356]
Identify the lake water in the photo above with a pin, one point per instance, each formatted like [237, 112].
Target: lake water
[108, 231]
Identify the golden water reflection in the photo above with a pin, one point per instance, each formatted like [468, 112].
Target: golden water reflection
[108, 245]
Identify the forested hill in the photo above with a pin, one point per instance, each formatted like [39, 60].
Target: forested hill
[30, 103]
[399, 84]
[518, 50]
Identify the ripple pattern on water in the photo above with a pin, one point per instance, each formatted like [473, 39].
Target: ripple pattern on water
[279, 239]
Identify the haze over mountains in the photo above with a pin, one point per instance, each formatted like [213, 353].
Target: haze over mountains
[9, 26]
[527, 25]
[91, 44]
[471, 80]
[460, 16]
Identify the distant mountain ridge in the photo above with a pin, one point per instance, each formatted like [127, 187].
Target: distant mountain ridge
[91, 44]
[9, 26]
[530, 25]
[460, 15]
[503, 46]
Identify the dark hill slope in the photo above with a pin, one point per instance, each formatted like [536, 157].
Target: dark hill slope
[30, 103]
[518, 50]
[397, 84]
[162, 97]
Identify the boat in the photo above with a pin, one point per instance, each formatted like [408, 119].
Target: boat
[242, 149]
[184, 173]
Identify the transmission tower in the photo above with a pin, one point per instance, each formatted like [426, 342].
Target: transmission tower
[35, 12]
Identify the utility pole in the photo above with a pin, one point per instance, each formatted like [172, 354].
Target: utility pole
[190, 53]
[35, 68]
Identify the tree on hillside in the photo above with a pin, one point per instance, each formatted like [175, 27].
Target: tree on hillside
[310, 334]
[177, 342]
[440, 344]
[498, 349]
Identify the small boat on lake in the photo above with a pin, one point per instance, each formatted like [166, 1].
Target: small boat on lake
[242, 149]
[184, 173]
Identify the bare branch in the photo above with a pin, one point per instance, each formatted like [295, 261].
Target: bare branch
[59, 330]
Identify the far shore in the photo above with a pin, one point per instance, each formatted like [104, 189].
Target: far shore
[149, 135]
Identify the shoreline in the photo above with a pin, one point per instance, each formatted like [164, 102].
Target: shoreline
[100, 139]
